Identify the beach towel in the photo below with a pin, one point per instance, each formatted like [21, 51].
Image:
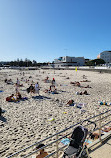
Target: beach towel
[80, 105]
[24, 98]
[51, 119]
[54, 92]
[65, 141]
[88, 142]
[71, 104]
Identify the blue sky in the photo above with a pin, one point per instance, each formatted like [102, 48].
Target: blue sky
[47, 29]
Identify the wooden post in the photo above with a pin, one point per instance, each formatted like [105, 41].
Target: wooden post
[57, 146]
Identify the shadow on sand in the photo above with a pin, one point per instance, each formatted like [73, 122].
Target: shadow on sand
[40, 97]
[3, 119]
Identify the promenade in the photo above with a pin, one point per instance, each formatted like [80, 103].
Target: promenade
[102, 150]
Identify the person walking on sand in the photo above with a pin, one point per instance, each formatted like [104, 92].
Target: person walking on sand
[37, 88]
[16, 90]
[18, 82]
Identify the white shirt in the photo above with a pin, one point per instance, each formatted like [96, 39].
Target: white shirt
[36, 87]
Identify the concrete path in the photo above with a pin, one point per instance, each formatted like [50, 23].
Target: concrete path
[102, 151]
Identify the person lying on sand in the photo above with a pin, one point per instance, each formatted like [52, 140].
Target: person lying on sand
[42, 153]
[106, 128]
[86, 86]
[76, 83]
[85, 81]
[11, 98]
[46, 79]
[52, 89]
[81, 93]
[8, 81]
[95, 135]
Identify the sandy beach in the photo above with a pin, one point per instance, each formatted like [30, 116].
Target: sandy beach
[26, 122]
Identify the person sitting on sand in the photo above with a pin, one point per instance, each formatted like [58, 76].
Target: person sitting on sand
[0, 111]
[84, 77]
[42, 153]
[32, 82]
[70, 102]
[5, 80]
[53, 89]
[19, 96]
[31, 88]
[85, 92]
[78, 84]
[53, 81]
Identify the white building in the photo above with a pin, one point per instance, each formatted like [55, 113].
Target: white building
[106, 56]
[69, 61]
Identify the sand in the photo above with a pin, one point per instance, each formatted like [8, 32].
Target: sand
[27, 122]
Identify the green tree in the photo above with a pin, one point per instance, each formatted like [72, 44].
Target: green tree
[95, 62]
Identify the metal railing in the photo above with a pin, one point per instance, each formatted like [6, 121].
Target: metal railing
[103, 117]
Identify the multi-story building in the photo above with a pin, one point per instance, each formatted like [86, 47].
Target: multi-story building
[69, 61]
[106, 56]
